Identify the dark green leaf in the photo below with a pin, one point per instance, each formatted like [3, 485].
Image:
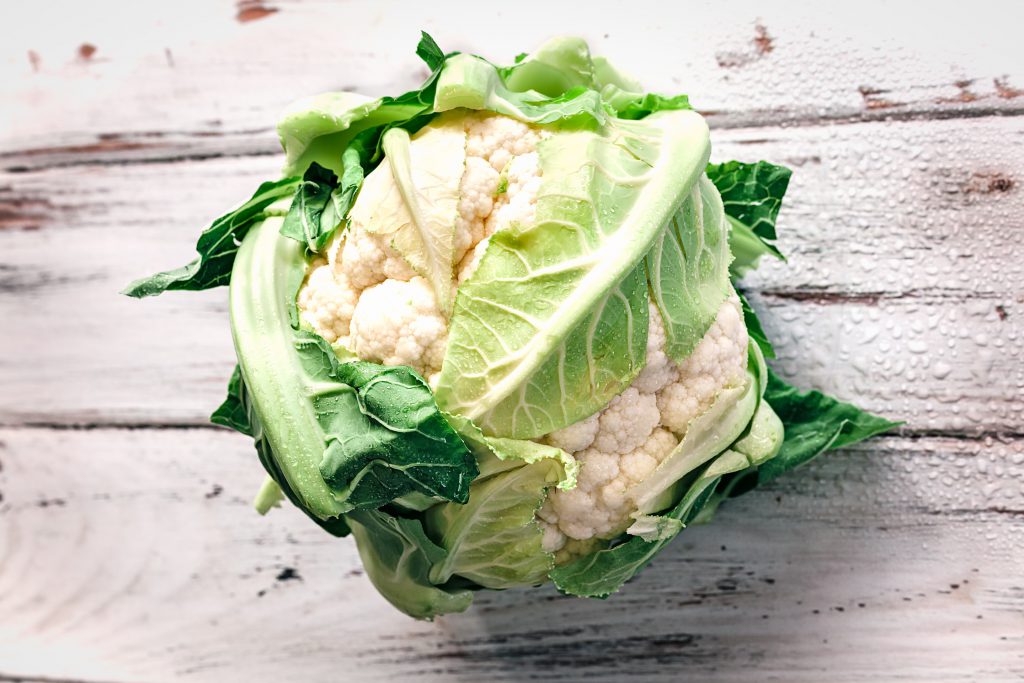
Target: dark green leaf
[313, 215]
[353, 161]
[429, 52]
[752, 193]
[649, 103]
[385, 436]
[217, 246]
[814, 423]
[232, 412]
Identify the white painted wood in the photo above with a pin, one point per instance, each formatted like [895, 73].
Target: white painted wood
[133, 556]
[162, 73]
[902, 291]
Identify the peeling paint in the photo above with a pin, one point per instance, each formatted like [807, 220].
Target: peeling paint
[252, 10]
[965, 95]
[988, 182]
[762, 44]
[872, 100]
[1004, 90]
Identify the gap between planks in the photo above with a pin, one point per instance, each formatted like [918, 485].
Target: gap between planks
[909, 433]
[11, 678]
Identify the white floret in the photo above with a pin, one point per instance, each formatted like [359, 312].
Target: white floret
[476, 201]
[368, 259]
[553, 540]
[517, 206]
[626, 421]
[634, 432]
[718, 361]
[599, 506]
[580, 514]
[366, 295]
[635, 466]
[575, 437]
[597, 467]
[659, 370]
[399, 323]
[469, 263]
[497, 139]
[327, 301]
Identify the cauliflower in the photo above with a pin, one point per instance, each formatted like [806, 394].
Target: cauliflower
[368, 259]
[477, 192]
[368, 289]
[599, 506]
[718, 361]
[499, 139]
[327, 302]
[626, 441]
[659, 369]
[577, 436]
[398, 323]
[370, 299]
[626, 422]
[468, 264]
[517, 204]
[507, 230]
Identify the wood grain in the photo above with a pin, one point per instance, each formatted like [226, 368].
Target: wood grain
[189, 77]
[128, 550]
[133, 555]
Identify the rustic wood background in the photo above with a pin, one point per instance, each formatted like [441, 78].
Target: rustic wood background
[128, 550]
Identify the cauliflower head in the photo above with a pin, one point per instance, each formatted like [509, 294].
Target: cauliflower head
[367, 297]
[623, 444]
[488, 327]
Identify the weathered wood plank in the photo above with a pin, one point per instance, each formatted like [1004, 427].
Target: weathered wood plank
[132, 555]
[903, 289]
[192, 78]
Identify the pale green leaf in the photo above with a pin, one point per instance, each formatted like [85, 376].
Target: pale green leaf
[688, 269]
[553, 323]
[413, 200]
[494, 539]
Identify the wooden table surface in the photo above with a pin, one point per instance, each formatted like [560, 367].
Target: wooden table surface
[128, 549]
